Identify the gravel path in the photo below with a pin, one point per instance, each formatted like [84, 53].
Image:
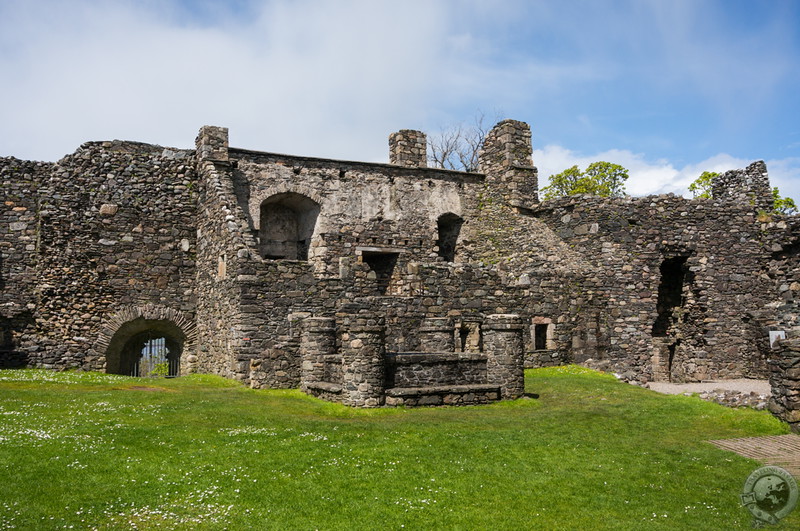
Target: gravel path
[742, 386]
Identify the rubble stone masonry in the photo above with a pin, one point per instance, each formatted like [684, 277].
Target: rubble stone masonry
[385, 284]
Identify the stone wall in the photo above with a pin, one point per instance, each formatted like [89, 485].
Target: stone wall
[748, 186]
[113, 228]
[415, 369]
[228, 251]
[19, 219]
[785, 381]
[368, 375]
[713, 251]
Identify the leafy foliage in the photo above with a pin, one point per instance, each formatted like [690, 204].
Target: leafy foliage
[783, 205]
[601, 178]
[701, 187]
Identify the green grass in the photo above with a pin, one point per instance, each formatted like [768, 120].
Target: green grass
[96, 451]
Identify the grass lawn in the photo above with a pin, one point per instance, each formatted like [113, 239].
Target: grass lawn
[95, 451]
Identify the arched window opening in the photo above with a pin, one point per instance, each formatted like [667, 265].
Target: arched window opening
[449, 227]
[287, 224]
[145, 347]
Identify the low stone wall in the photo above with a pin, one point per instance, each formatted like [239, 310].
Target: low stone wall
[543, 358]
[356, 370]
[432, 369]
[454, 395]
[325, 391]
[785, 381]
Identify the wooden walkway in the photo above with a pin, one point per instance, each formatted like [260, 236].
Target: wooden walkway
[777, 450]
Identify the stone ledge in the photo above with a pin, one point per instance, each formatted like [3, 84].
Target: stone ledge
[324, 386]
[451, 395]
[441, 389]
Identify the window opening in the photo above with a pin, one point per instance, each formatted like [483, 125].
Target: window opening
[222, 268]
[540, 336]
[469, 337]
[382, 264]
[463, 333]
[449, 227]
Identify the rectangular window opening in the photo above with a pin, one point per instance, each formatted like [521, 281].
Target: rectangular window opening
[382, 265]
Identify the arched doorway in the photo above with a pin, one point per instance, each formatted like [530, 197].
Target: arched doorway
[286, 225]
[146, 347]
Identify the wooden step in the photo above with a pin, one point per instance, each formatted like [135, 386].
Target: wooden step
[776, 450]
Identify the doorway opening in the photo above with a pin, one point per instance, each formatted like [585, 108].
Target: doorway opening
[146, 347]
[674, 273]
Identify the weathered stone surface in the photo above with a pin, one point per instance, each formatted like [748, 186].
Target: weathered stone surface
[238, 248]
[408, 148]
[785, 382]
[107, 209]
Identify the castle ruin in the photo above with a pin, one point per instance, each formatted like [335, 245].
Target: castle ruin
[387, 284]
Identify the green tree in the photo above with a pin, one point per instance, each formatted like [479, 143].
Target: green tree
[600, 178]
[701, 187]
[783, 205]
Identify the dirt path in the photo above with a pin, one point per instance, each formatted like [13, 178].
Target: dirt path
[742, 386]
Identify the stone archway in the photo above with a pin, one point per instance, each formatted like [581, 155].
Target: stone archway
[149, 340]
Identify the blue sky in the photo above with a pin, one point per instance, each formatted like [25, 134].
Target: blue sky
[667, 88]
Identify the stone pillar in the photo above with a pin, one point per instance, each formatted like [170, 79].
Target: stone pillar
[408, 148]
[749, 186]
[504, 347]
[363, 361]
[318, 340]
[436, 334]
[506, 159]
[784, 366]
[212, 143]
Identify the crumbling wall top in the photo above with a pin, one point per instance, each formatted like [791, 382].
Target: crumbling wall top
[212, 143]
[745, 186]
[506, 158]
[507, 145]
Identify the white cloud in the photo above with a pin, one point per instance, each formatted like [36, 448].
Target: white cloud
[334, 78]
[328, 79]
[785, 174]
[660, 177]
